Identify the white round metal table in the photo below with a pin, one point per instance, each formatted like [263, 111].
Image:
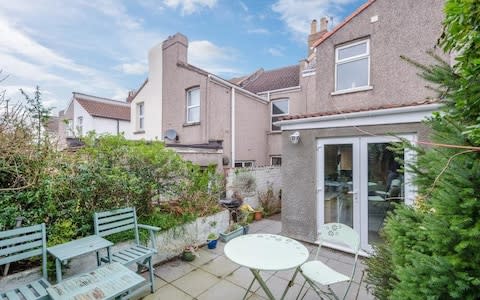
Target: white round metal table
[266, 252]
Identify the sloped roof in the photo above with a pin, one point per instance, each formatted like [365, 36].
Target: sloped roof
[336, 112]
[273, 79]
[343, 23]
[104, 109]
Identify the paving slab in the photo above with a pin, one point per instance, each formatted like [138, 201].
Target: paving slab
[196, 282]
[168, 291]
[223, 290]
[173, 270]
[213, 276]
[220, 266]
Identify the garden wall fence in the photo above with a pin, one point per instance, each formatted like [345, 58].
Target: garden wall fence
[265, 177]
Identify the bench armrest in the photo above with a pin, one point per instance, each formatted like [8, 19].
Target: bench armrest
[151, 230]
[148, 227]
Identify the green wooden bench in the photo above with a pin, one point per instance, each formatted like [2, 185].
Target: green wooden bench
[19, 244]
[114, 221]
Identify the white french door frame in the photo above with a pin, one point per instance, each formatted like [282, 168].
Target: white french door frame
[360, 179]
[321, 177]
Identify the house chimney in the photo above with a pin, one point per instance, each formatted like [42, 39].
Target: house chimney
[130, 96]
[323, 24]
[313, 27]
[314, 35]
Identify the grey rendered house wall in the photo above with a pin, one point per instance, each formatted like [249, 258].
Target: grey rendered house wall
[215, 108]
[299, 173]
[406, 27]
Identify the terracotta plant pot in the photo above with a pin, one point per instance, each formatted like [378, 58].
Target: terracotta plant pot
[258, 215]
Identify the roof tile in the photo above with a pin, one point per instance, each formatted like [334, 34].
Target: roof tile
[273, 80]
[115, 111]
[331, 113]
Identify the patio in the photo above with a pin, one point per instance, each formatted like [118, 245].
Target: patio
[213, 276]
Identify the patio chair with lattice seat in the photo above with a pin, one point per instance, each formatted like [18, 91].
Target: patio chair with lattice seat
[20, 244]
[109, 222]
[319, 275]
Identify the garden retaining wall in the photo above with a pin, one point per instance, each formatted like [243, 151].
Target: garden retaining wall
[264, 178]
[170, 244]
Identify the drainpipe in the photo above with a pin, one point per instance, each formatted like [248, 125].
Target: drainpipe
[232, 112]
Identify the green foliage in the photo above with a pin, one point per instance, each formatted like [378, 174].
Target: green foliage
[432, 250]
[64, 189]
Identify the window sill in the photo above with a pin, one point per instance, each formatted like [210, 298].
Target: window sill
[360, 89]
[139, 132]
[274, 132]
[191, 124]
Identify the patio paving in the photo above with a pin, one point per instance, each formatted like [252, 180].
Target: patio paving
[213, 276]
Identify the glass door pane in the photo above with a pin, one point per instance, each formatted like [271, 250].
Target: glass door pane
[338, 184]
[385, 185]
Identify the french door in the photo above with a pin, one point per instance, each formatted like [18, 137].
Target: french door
[358, 180]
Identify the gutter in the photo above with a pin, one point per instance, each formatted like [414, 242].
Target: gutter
[362, 114]
[288, 89]
[229, 84]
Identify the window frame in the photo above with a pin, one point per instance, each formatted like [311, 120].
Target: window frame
[352, 59]
[141, 116]
[188, 107]
[244, 162]
[278, 157]
[278, 115]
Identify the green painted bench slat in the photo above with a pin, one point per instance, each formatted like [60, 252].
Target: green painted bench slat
[17, 257]
[21, 247]
[40, 287]
[116, 230]
[25, 291]
[22, 243]
[115, 212]
[19, 231]
[21, 239]
[115, 218]
[115, 224]
[12, 295]
[109, 222]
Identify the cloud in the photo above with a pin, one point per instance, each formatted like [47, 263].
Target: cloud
[189, 7]
[258, 31]
[297, 14]
[244, 6]
[218, 60]
[275, 52]
[14, 41]
[137, 68]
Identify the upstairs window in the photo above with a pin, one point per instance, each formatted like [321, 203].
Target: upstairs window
[279, 109]
[141, 116]
[352, 66]
[193, 105]
[244, 163]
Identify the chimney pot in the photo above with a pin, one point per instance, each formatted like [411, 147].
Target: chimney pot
[313, 26]
[323, 24]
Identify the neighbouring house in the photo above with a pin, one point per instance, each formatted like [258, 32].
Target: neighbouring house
[86, 113]
[210, 120]
[338, 164]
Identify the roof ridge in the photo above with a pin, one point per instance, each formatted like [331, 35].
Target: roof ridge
[99, 99]
[360, 9]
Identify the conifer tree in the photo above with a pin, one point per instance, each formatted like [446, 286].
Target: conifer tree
[433, 248]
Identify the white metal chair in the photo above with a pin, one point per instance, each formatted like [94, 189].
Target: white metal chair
[317, 274]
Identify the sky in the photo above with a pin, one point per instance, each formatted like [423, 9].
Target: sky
[100, 47]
